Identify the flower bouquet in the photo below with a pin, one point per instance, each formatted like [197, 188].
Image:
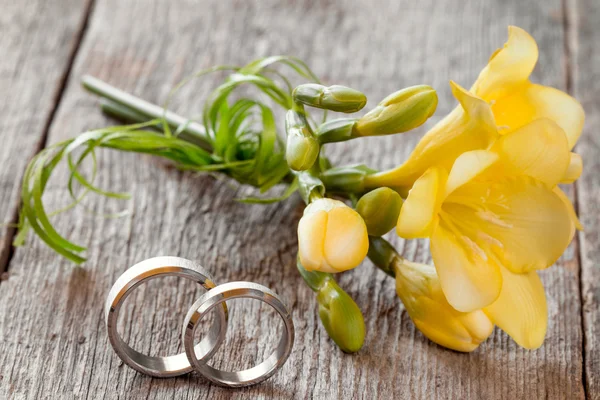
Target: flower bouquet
[482, 185]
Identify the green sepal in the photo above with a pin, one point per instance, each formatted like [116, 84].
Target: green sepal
[314, 279]
[333, 98]
[309, 186]
[347, 179]
[337, 130]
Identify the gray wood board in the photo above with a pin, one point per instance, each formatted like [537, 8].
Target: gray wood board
[37, 40]
[53, 342]
[586, 15]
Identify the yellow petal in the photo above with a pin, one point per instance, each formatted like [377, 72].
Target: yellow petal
[419, 212]
[311, 236]
[538, 149]
[468, 127]
[530, 102]
[346, 239]
[447, 330]
[477, 323]
[469, 278]
[574, 170]
[508, 67]
[520, 221]
[419, 289]
[521, 309]
[570, 209]
[468, 166]
[477, 110]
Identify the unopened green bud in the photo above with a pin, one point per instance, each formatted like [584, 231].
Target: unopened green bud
[380, 209]
[341, 317]
[349, 179]
[301, 152]
[337, 130]
[334, 98]
[399, 112]
[302, 147]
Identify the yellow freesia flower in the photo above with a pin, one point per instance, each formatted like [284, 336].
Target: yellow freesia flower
[332, 237]
[419, 288]
[492, 223]
[469, 126]
[504, 83]
[483, 188]
[501, 100]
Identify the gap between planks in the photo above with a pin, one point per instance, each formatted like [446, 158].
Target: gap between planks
[570, 28]
[7, 251]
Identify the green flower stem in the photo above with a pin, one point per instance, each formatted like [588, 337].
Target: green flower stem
[122, 113]
[130, 116]
[314, 196]
[383, 255]
[314, 279]
[309, 186]
[298, 107]
[127, 115]
[135, 107]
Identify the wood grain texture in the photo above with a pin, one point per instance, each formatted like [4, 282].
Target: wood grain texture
[33, 67]
[586, 14]
[53, 342]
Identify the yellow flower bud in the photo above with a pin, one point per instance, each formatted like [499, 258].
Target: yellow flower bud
[419, 289]
[341, 317]
[332, 237]
[334, 98]
[401, 111]
[380, 209]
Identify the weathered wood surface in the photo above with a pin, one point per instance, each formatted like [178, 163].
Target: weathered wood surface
[52, 339]
[33, 68]
[586, 15]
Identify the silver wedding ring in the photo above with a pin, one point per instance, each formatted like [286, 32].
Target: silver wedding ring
[217, 296]
[196, 357]
[169, 366]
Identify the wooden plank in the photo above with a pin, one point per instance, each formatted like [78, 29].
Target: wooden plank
[52, 339]
[586, 17]
[36, 44]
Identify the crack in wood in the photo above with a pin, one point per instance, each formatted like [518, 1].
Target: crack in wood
[570, 28]
[387, 52]
[7, 251]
